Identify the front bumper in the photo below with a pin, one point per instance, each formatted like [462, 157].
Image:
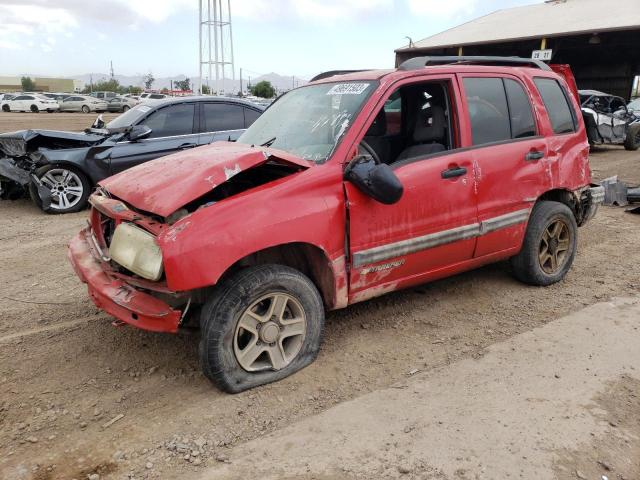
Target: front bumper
[117, 297]
[10, 170]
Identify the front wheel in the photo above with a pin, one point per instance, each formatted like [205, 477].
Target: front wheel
[69, 188]
[632, 140]
[549, 245]
[6, 108]
[261, 325]
[35, 109]
[85, 109]
[125, 108]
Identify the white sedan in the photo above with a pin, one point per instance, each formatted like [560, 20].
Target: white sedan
[30, 103]
[83, 103]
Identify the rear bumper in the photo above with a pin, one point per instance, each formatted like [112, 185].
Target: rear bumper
[590, 199]
[115, 296]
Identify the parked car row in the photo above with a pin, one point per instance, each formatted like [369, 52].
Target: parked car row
[67, 102]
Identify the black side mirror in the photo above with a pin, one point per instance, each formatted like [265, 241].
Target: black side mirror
[376, 180]
[138, 132]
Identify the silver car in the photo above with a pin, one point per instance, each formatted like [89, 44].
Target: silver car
[82, 103]
[121, 104]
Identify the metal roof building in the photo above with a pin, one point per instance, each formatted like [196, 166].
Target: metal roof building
[600, 39]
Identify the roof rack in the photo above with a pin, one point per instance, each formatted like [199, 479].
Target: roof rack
[421, 62]
[332, 73]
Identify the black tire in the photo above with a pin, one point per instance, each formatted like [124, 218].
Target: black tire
[34, 109]
[81, 204]
[632, 140]
[86, 109]
[527, 265]
[221, 314]
[6, 108]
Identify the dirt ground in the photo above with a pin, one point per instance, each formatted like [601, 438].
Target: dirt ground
[80, 397]
[12, 121]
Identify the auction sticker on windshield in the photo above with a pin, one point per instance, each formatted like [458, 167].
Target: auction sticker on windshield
[348, 89]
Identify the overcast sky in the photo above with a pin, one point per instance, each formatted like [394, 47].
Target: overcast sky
[299, 37]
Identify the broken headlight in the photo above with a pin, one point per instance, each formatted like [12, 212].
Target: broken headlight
[136, 250]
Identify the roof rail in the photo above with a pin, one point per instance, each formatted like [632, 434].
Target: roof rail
[332, 73]
[421, 62]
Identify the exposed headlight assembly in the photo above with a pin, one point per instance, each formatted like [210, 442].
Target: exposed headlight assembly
[136, 250]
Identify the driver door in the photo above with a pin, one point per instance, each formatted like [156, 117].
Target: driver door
[429, 232]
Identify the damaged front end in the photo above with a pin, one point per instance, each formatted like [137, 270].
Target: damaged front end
[23, 152]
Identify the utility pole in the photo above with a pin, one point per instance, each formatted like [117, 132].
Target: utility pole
[241, 91]
[111, 69]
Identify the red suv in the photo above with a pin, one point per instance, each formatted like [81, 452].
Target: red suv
[350, 187]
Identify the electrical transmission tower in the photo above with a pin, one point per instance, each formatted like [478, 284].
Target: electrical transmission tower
[216, 43]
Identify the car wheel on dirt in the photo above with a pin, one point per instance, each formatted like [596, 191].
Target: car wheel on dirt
[70, 189]
[34, 109]
[261, 325]
[549, 245]
[6, 108]
[632, 140]
[125, 108]
[85, 109]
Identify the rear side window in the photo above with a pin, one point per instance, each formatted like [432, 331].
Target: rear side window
[557, 105]
[223, 116]
[488, 110]
[250, 116]
[520, 113]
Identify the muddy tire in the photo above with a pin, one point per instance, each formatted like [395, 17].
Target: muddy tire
[632, 140]
[76, 183]
[261, 325]
[34, 109]
[549, 246]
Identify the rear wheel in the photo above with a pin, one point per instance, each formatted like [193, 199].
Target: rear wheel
[69, 188]
[85, 109]
[6, 108]
[125, 108]
[549, 245]
[261, 325]
[35, 109]
[632, 140]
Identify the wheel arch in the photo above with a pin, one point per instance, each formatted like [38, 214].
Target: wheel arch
[571, 199]
[307, 258]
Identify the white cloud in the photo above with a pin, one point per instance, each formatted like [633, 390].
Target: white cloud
[442, 8]
[314, 10]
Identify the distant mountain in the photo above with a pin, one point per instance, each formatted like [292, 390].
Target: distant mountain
[280, 82]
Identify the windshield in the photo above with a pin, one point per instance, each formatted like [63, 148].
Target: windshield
[309, 121]
[130, 117]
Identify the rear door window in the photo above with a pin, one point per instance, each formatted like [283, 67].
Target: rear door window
[521, 115]
[488, 110]
[557, 105]
[171, 121]
[223, 116]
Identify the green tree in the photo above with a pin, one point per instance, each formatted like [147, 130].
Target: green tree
[205, 90]
[28, 85]
[264, 89]
[134, 90]
[111, 85]
[183, 85]
[148, 80]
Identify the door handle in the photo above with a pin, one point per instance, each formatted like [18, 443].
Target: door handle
[454, 172]
[534, 156]
[184, 146]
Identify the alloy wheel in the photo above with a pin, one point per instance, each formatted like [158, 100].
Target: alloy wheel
[66, 188]
[270, 333]
[555, 246]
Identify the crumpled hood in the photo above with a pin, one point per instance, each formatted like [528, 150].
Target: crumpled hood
[166, 184]
[23, 142]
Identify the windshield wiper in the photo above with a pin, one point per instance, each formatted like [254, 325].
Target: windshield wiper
[269, 142]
